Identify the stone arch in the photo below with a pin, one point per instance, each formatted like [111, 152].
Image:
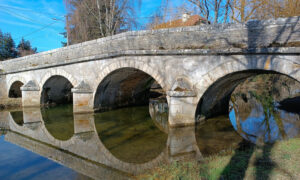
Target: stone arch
[12, 80]
[59, 75]
[15, 90]
[58, 72]
[122, 64]
[215, 79]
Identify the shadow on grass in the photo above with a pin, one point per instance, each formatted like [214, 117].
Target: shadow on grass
[263, 164]
[238, 164]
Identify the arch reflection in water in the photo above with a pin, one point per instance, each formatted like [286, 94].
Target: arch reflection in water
[59, 121]
[85, 153]
[130, 134]
[257, 108]
[17, 117]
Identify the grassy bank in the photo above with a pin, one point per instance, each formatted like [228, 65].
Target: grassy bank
[273, 161]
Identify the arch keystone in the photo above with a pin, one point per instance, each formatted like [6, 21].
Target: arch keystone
[181, 88]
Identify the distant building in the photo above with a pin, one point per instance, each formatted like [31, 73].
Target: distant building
[186, 20]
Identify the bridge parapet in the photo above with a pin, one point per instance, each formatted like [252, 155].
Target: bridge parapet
[204, 39]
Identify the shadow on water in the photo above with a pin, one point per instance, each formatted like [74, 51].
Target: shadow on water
[290, 105]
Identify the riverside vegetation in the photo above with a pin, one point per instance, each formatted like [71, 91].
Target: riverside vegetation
[280, 160]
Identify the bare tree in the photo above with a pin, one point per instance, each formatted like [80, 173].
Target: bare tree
[204, 7]
[227, 6]
[220, 9]
[91, 19]
[244, 10]
[276, 8]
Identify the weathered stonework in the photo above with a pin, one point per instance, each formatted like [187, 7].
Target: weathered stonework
[30, 94]
[203, 55]
[82, 98]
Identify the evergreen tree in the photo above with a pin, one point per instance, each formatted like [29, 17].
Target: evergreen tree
[7, 47]
[24, 48]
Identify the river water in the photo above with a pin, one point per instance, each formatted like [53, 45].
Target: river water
[127, 135]
[54, 143]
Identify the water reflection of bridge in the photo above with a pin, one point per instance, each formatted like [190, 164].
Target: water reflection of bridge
[85, 152]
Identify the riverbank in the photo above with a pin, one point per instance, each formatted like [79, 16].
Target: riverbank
[10, 103]
[267, 161]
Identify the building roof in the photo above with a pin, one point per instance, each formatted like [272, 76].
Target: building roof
[192, 21]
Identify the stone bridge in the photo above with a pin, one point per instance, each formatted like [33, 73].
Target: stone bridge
[197, 67]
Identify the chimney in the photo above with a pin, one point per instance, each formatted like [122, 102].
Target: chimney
[185, 17]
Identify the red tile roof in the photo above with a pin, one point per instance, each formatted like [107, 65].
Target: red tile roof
[192, 21]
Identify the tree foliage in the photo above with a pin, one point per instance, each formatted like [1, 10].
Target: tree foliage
[24, 48]
[8, 49]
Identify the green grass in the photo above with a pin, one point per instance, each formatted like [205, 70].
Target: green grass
[270, 161]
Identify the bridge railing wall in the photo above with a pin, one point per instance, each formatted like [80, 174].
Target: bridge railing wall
[208, 38]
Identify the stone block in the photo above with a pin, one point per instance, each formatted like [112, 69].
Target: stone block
[83, 102]
[82, 98]
[182, 111]
[31, 98]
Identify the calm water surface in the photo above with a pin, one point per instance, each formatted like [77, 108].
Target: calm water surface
[119, 143]
[266, 108]
[265, 125]
[20, 163]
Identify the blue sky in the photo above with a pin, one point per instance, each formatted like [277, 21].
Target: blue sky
[33, 20]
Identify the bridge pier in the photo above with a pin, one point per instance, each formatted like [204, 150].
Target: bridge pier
[181, 111]
[30, 95]
[182, 108]
[82, 98]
